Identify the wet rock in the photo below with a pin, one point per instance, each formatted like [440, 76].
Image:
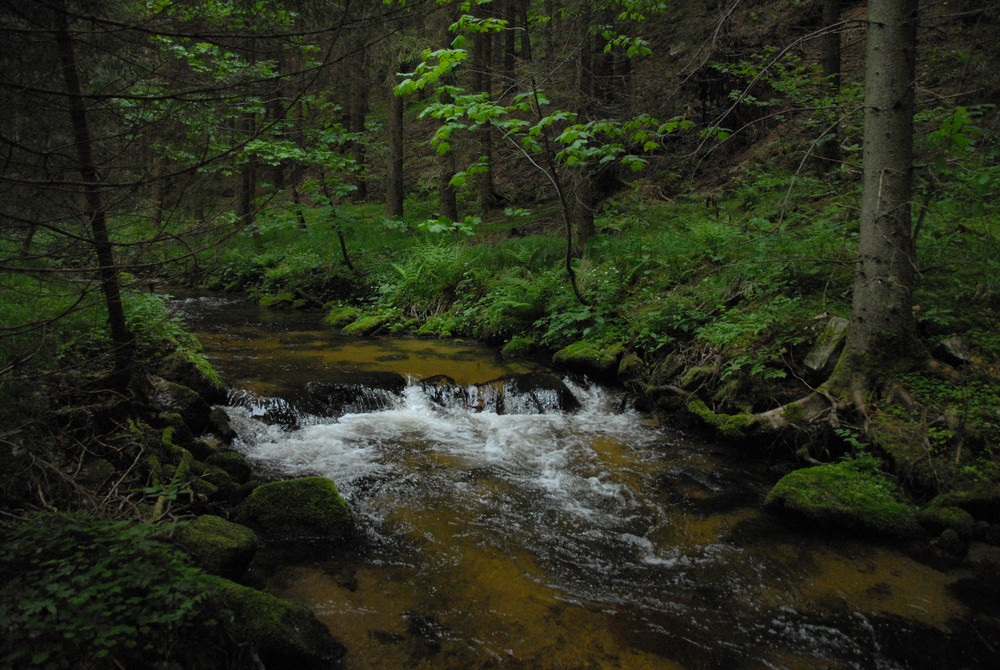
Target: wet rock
[221, 425]
[827, 346]
[533, 393]
[270, 410]
[307, 508]
[287, 635]
[846, 496]
[443, 390]
[218, 546]
[357, 392]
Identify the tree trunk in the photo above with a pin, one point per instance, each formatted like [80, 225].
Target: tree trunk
[122, 340]
[482, 55]
[828, 150]
[394, 176]
[357, 114]
[880, 338]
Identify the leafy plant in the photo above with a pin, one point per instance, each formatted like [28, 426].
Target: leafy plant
[79, 591]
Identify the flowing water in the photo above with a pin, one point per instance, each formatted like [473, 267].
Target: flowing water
[556, 539]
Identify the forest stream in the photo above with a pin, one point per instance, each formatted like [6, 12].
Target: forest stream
[546, 538]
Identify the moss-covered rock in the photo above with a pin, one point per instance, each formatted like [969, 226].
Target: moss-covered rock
[849, 495]
[287, 635]
[369, 324]
[342, 315]
[981, 500]
[192, 370]
[172, 398]
[902, 442]
[599, 359]
[939, 519]
[519, 346]
[232, 462]
[310, 507]
[218, 546]
[631, 368]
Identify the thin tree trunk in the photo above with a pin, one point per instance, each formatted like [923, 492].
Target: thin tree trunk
[394, 177]
[122, 340]
[483, 82]
[828, 150]
[357, 115]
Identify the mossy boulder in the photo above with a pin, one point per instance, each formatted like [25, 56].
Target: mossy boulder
[172, 398]
[287, 635]
[218, 546]
[519, 346]
[233, 463]
[981, 500]
[307, 508]
[902, 442]
[939, 519]
[342, 315]
[194, 372]
[599, 359]
[631, 368]
[850, 495]
[368, 324]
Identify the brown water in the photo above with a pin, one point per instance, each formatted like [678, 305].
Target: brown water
[561, 540]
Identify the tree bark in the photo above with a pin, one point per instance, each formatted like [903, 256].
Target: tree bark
[122, 340]
[828, 150]
[394, 177]
[356, 116]
[482, 56]
[881, 307]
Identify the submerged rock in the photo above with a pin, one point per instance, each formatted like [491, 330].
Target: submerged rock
[306, 508]
[843, 495]
[287, 635]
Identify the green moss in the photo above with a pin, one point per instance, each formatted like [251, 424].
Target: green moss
[631, 367]
[848, 495]
[794, 413]
[728, 425]
[286, 634]
[599, 357]
[519, 346]
[233, 463]
[218, 546]
[341, 315]
[307, 507]
[939, 519]
[902, 441]
[283, 300]
[366, 325]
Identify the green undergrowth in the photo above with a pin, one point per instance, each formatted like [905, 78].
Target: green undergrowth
[81, 591]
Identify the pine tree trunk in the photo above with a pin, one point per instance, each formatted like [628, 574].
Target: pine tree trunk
[881, 310]
[828, 150]
[394, 177]
[122, 340]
